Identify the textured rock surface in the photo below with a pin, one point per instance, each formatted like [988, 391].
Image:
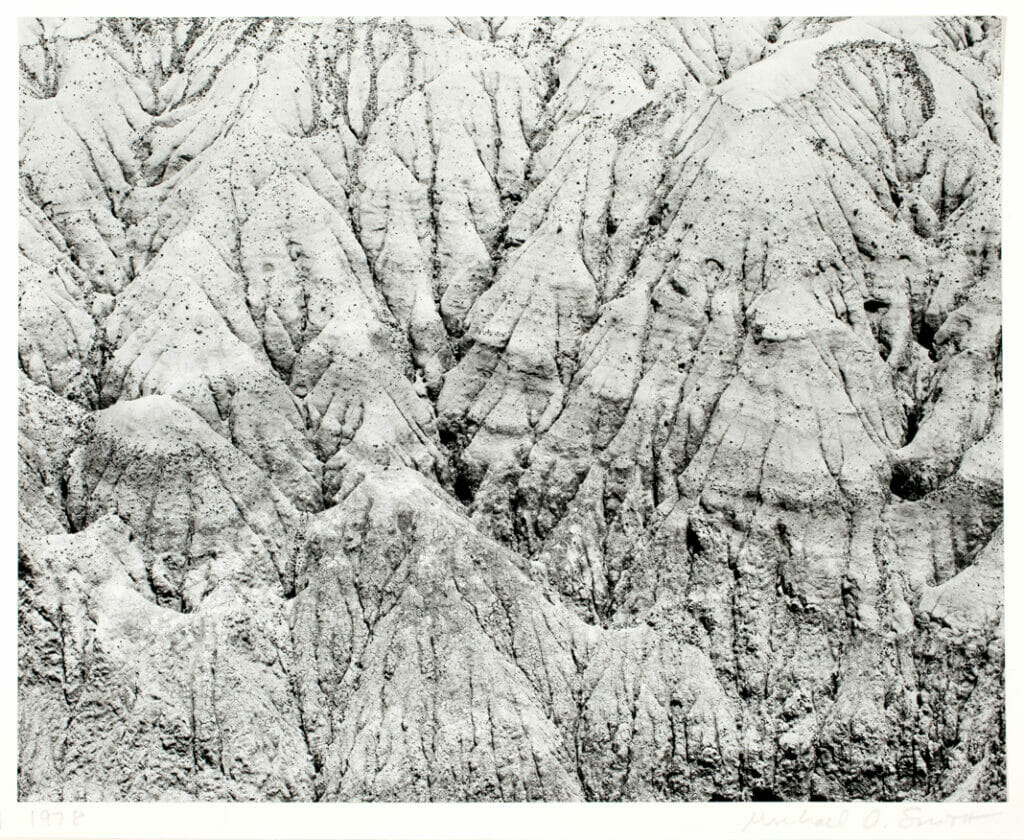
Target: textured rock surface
[510, 409]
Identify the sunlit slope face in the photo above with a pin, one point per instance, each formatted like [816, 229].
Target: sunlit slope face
[502, 409]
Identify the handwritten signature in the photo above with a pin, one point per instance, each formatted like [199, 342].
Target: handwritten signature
[904, 818]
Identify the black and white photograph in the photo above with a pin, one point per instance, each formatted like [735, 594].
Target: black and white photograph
[510, 409]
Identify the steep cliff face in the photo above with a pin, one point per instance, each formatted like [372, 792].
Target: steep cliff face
[510, 409]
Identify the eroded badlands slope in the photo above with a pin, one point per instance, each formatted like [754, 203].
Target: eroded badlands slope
[508, 409]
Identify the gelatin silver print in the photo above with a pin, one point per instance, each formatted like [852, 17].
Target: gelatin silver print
[493, 409]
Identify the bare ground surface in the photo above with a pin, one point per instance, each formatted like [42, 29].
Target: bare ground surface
[510, 409]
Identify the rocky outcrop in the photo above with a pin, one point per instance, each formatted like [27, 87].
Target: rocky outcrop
[499, 409]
